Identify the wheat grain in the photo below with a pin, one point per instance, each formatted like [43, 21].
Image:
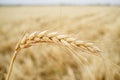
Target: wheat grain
[45, 36]
[54, 37]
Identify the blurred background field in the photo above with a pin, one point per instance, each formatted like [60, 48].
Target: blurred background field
[97, 24]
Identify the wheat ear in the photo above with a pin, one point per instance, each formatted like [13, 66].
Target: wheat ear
[52, 37]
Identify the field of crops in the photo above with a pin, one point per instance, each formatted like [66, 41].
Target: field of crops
[99, 25]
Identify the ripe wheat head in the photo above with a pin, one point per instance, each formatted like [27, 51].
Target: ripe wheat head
[49, 37]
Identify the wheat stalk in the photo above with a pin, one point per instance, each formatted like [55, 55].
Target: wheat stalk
[52, 37]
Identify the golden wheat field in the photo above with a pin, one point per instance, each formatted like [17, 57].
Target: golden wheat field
[99, 25]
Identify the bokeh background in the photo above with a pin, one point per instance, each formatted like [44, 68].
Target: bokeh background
[59, 2]
[96, 21]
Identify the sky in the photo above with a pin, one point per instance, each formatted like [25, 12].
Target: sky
[58, 2]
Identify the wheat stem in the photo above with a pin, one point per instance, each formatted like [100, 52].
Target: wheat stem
[11, 65]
